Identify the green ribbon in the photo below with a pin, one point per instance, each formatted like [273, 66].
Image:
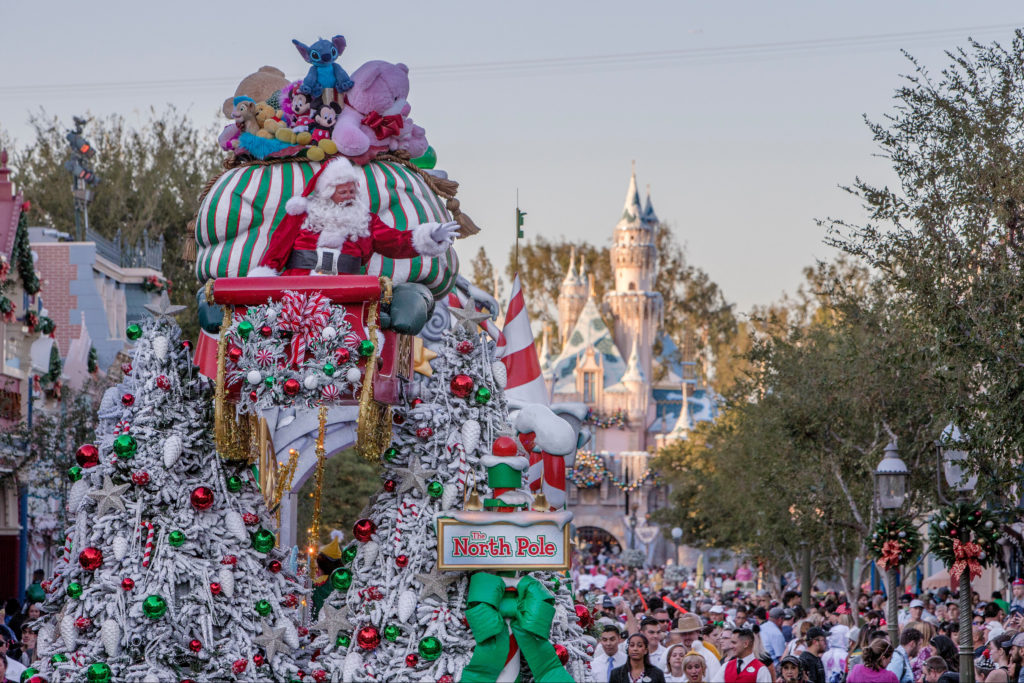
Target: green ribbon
[530, 610]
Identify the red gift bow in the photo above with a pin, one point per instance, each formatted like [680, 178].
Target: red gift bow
[891, 551]
[383, 126]
[305, 316]
[966, 558]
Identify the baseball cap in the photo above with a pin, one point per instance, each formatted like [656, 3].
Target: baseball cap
[717, 609]
[1018, 640]
[788, 613]
[816, 632]
[791, 660]
[905, 598]
[1018, 582]
[916, 603]
[777, 613]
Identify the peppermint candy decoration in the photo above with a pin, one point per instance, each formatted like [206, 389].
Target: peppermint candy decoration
[330, 392]
[264, 357]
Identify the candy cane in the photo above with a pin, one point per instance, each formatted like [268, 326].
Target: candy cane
[67, 549]
[411, 507]
[149, 543]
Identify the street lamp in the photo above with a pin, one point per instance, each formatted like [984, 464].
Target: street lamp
[632, 526]
[891, 490]
[952, 450]
[677, 534]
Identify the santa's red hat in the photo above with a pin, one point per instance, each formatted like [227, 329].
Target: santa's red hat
[331, 174]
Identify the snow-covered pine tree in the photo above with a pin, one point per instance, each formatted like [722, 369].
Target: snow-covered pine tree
[393, 615]
[172, 572]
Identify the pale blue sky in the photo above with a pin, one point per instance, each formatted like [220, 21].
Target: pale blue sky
[742, 148]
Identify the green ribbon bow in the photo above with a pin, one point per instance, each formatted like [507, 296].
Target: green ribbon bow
[530, 610]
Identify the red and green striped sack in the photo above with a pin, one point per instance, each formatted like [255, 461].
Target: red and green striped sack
[241, 210]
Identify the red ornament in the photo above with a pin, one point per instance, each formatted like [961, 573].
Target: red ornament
[83, 623]
[374, 593]
[464, 346]
[402, 561]
[87, 456]
[412, 659]
[90, 559]
[417, 402]
[187, 345]
[250, 519]
[952, 532]
[47, 586]
[447, 678]
[230, 560]
[253, 396]
[126, 368]
[389, 485]
[320, 675]
[504, 446]
[266, 330]
[398, 418]
[128, 400]
[238, 666]
[235, 354]
[461, 386]
[163, 382]
[301, 674]
[201, 498]
[290, 600]
[343, 355]
[363, 530]
[140, 478]
[302, 631]
[195, 645]
[215, 588]
[274, 566]
[291, 387]
[583, 614]
[368, 638]
[424, 432]
[563, 654]
[258, 659]
[127, 583]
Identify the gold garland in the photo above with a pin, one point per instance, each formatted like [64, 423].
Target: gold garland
[313, 542]
[373, 429]
[285, 475]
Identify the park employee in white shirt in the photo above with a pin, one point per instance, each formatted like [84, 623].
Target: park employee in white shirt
[610, 656]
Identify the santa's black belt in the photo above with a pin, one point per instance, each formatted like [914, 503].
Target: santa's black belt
[327, 261]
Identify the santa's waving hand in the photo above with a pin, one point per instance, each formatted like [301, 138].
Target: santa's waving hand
[329, 229]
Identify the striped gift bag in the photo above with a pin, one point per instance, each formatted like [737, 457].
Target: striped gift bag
[241, 210]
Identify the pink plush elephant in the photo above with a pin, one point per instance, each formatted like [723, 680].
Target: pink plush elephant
[376, 114]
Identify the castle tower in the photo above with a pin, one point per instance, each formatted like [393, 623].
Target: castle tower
[636, 382]
[572, 298]
[635, 307]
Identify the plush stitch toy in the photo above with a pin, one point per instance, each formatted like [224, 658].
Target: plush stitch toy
[324, 72]
[376, 116]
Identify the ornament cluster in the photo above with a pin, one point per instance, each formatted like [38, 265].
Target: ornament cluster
[894, 541]
[961, 523]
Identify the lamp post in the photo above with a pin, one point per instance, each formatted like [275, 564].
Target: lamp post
[677, 534]
[891, 490]
[952, 453]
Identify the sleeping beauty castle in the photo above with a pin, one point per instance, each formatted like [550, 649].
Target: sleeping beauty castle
[641, 390]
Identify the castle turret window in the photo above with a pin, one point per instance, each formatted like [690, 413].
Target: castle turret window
[589, 387]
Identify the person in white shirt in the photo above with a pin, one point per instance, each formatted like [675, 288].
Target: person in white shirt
[744, 662]
[610, 656]
[651, 629]
[690, 625]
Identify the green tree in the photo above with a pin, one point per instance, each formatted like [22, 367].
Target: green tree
[349, 481]
[151, 176]
[949, 236]
[485, 275]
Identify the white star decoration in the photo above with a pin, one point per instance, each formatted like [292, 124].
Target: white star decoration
[270, 640]
[162, 307]
[331, 621]
[412, 477]
[468, 318]
[109, 496]
[435, 583]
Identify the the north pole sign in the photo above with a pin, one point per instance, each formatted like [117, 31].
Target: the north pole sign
[517, 541]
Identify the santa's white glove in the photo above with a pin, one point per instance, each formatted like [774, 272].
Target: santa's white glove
[444, 233]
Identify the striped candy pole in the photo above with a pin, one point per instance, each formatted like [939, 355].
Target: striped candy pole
[149, 542]
[525, 383]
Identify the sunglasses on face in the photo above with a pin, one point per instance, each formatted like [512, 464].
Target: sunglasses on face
[664, 621]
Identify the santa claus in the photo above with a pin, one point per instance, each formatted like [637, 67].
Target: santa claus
[330, 230]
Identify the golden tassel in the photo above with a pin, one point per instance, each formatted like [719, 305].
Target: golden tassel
[266, 462]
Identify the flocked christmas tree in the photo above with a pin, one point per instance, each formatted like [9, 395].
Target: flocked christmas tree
[170, 571]
[393, 616]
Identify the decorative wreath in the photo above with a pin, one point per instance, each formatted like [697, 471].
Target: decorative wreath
[964, 536]
[894, 541]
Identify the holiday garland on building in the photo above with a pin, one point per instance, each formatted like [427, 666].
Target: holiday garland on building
[965, 537]
[894, 542]
[589, 471]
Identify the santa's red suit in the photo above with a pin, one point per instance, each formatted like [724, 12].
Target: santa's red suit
[295, 250]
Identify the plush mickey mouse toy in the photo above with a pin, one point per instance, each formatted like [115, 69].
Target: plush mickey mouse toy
[323, 122]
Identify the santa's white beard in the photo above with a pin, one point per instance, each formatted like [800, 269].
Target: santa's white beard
[337, 223]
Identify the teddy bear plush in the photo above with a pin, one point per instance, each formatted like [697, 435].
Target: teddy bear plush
[376, 115]
[259, 86]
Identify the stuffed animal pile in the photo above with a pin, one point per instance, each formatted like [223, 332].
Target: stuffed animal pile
[328, 112]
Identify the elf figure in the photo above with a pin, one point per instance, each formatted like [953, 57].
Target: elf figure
[505, 468]
[551, 443]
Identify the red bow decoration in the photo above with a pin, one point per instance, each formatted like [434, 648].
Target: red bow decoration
[383, 126]
[305, 316]
[967, 555]
[891, 552]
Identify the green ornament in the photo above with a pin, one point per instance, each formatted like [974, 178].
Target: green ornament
[29, 673]
[349, 554]
[556, 583]
[428, 160]
[58, 658]
[430, 648]
[133, 332]
[269, 382]
[125, 446]
[176, 538]
[74, 590]
[483, 395]
[342, 640]
[390, 454]
[366, 348]
[341, 579]
[435, 489]
[244, 329]
[234, 483]
[154, 606]
[329, 369]
[391, 632]
[74, 473]
[263, 608]
[99, 672]
[262, 540]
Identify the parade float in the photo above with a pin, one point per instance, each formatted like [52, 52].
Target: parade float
[328, 288]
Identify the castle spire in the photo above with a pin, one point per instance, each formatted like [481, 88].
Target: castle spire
[583, 268]
[570, 275]
[633, 371]
[649, 216]
[631, 209]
